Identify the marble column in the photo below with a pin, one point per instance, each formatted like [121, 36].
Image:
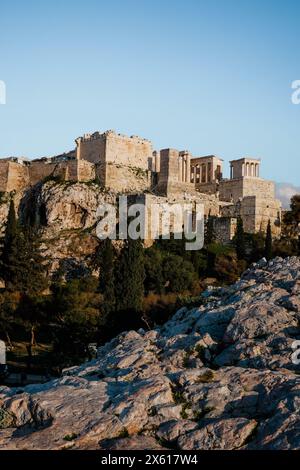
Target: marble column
[188, 168]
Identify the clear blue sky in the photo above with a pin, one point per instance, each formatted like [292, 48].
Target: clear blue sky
[209, 76]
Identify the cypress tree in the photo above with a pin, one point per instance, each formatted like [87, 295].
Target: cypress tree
[22, 264]
[31, 282]
[32, 262]
[240, 240]
[210, 262]
[130, 282]
[209, 236]
[23, 270]
[10, 266]
[107, 280]
[209, 240]
[268, 242]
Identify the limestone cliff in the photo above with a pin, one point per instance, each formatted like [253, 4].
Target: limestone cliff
[218, 376]
[66, 213]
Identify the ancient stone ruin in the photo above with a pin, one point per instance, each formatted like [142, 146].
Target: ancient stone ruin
[125, 164]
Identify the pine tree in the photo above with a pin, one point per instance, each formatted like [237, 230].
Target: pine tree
[130, 277]
[240, 240]
[268, 242]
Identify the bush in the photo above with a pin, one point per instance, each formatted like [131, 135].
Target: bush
[77, 317]
[154, 280]
[179, 275]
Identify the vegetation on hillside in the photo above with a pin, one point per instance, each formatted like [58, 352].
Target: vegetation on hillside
[137, 286]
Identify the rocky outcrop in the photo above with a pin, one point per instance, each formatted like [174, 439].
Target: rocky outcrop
[66, 213]
[59, 207]
[218, 376]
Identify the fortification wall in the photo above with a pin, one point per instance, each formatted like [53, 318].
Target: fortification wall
[39, 170]
[256, 212]
[72, 170]
[85, 171]
[68, 171]
[225, 228]
[115, 148]
[3, 175]
[13, 176]
[211, 204]
[176, 189]
[174, 177]
[92, 149]
[126, 179]
[266, 210]
[152, 216]
[169, 169]
[208, 188]
[130, 151]
[18, 177]
[233, 190]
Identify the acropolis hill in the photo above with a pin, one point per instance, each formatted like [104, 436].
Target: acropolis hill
[123, 164]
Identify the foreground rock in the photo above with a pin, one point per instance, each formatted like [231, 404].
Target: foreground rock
[218, 376]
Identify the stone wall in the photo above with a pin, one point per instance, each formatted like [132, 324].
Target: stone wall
[174, 176]
[148, 200]
[233, 190]
[120, 178]
[256, 212]
[91, 148]
[85, 171]
[110, 147]
[129, 151]
[266, 210]
[224, 228]
[168, 167]
[125, 164]
[72, 170]
[208, 188]
[39, 170]
[18, 178]
[13, 176]
[3, 175]
[211, 204]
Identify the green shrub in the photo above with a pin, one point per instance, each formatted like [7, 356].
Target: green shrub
[70, 437]
[123, 433]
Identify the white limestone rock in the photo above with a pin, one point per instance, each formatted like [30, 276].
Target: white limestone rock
[219, 376]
